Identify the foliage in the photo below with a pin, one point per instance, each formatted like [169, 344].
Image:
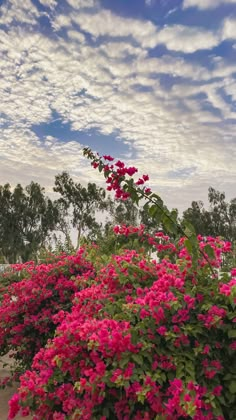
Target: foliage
[28, 304]
[120, 212]
[27, 217]
[65, 246]
[229, 260]
[83, 201]
[30, 221]
[119, 179]
[219, 220]
[144, 339]
[108, 242]
[12, 275]
[123, 212]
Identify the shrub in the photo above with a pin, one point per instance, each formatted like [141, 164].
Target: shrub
[28, 305]
[144, 340]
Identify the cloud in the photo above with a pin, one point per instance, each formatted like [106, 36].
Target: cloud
[80, 4]
[230, 88]
[206, 4]
[229, 29]
[106, 23]
[188, 39]
[223, 69]
[61, 22]
[19, 11]
[115, 86]
[40, 159]
[76, 36]
[49, 3]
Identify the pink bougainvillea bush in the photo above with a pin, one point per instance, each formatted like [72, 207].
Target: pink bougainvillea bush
[144, 340]
[28, 305]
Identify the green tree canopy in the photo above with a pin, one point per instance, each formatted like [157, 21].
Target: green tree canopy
[123, 212]
[218, 220]
[79, 204]
[27, 217]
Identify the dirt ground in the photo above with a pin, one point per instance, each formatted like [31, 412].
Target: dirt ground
[7, 393]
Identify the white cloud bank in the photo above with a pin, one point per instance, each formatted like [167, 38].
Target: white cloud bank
[206, 4]
[48, 3]
[187, 39]
[229, 29]
[115, 86]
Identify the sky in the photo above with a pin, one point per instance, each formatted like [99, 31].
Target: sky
[151, 82]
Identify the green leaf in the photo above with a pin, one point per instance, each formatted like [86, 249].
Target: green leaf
[232, 387]
[138, 359]
[153, 210]
[169, 224]
[189, 228]
[124, 362]
[146, 207]
[135, 336]
[209, 251]
[174, 215]
[180, 371]
[190, 369]
[229, 377]
[158, 199]
[232, 333]
[188, 245]
[100, 167]
[194, 241]
[106, 412]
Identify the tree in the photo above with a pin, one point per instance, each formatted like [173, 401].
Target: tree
[223, 214]
[27, 217]
[198, 217]
[79, 204]
[123, 212]
[219, 220]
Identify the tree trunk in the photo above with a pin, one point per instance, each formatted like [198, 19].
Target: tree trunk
[79, 235]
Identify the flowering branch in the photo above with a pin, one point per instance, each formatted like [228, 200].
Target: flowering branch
[115, 174]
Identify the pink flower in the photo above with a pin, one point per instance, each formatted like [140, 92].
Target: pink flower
[187, 398]
[14, 406]
[233, 345]
[217, 390]
[177, 384]
[131, 170]
[206, 350]
[108, 157]
[119, 164]
[140, 181]
[162, 330]
[129, 370]
[190, 301]
[116, 375]
[116, 229]
[225, 290]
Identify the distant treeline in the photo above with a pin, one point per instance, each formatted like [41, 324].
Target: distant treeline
[31, 222]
